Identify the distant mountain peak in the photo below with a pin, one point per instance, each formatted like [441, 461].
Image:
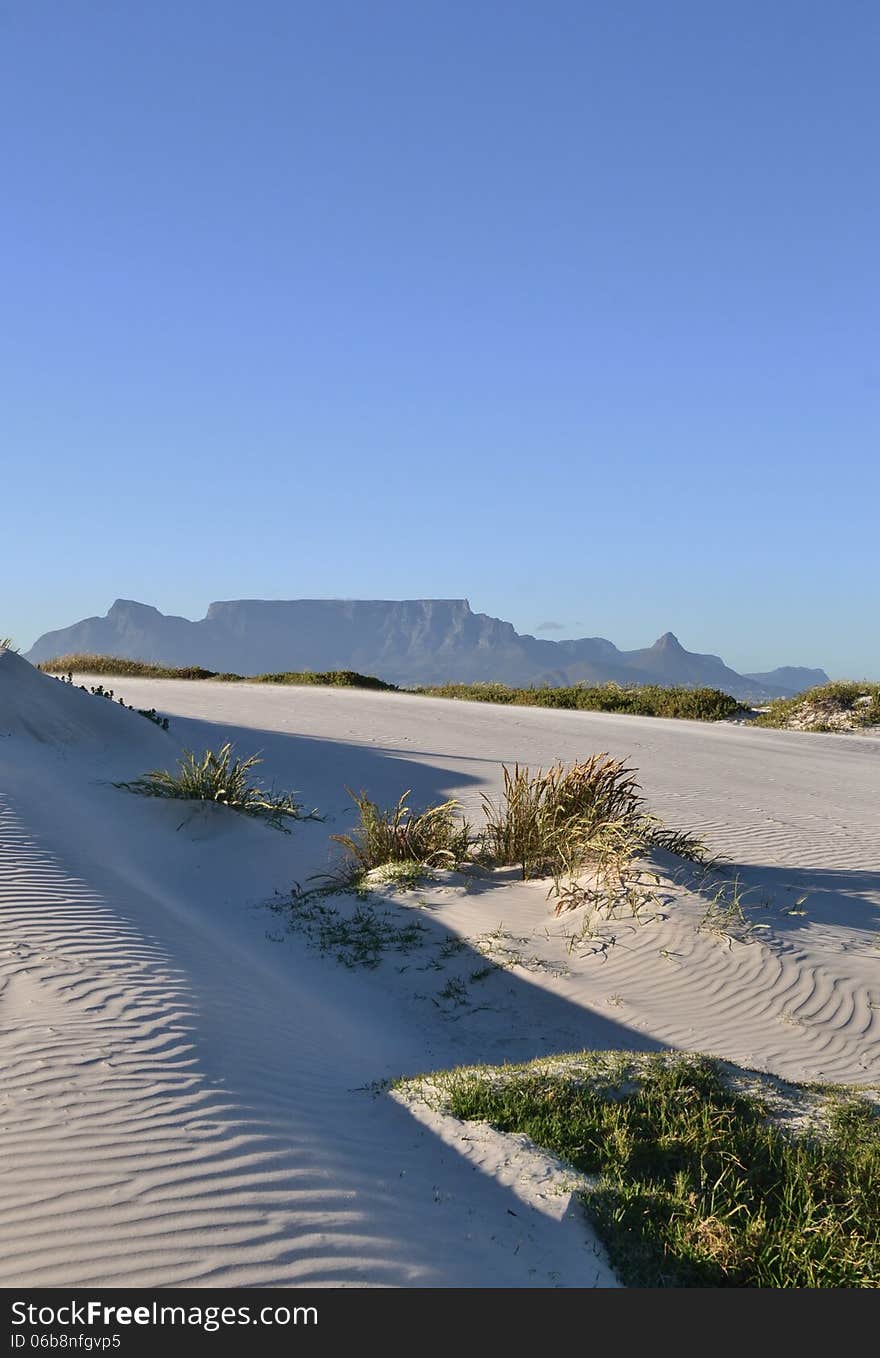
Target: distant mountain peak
[129, 606]
[404, 641]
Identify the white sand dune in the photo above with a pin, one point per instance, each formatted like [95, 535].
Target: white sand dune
[186, 1096]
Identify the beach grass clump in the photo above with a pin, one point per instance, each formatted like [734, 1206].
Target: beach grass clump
[566, 821]
[220, 777]
[436, 837]
[697, 1179]
[839, 706]
[643, 700]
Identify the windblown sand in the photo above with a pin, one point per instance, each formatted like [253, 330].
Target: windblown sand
[192, 1091]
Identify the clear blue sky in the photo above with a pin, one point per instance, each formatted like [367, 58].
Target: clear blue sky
[567, 307]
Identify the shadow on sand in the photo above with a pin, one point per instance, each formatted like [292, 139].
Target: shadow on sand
[790, 899]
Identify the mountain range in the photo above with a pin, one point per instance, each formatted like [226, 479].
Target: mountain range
[406, 642]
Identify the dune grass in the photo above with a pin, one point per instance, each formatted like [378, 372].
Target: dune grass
[437, 836]
[561, 821]
[565, 818]
[701, 1176]
[647, 700]
[839, 706]
[584, 825]
[222, 778]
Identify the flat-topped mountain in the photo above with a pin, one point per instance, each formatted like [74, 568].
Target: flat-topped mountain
[405, 641]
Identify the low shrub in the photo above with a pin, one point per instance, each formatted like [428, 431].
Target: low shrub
[327, 678]
[85, 663]
[838, 706]
[648, 700]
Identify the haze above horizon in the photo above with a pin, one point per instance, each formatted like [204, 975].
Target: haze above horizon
[569, 310]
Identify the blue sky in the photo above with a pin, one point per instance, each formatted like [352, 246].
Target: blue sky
[570, 308]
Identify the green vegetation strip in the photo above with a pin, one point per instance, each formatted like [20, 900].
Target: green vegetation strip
[140, 669]
[831, 707]
[702, 1174]
[648, 700]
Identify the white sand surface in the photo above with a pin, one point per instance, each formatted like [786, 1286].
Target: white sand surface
[191, 1091]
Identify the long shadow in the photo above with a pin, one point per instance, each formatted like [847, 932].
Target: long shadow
[320, 768]
[505, 1016]
[321, 765]
[317, 1143]
[472, 1006]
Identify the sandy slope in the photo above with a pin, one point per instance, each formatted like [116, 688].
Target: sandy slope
[185, 1079]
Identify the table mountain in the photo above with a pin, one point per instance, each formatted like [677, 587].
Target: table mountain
[407, 642]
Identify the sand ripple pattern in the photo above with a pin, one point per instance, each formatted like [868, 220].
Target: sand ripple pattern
[182, 1100]
[108, 1120]
[772, 1005]
[129, 1160]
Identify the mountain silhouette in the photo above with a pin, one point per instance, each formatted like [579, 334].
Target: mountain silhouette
[406, 642]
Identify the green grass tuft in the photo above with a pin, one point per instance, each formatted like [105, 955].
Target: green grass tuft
[434, 837]
[583, 825]
[221, 778]
[699, 1179]
[567, 821]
